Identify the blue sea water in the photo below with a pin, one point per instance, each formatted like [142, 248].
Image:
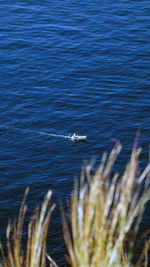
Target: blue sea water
[68, 66]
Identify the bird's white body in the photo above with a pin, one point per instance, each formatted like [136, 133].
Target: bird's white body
[76, 137]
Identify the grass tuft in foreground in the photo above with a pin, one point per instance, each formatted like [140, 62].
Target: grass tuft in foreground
[35, 254]
[106, 213]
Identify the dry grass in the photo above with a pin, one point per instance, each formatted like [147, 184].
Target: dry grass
[35, 254]
[105, 211]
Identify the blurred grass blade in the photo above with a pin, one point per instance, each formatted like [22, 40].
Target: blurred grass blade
[104, 211]
[35, 254]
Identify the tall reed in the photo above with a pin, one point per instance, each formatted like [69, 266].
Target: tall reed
[105, 212]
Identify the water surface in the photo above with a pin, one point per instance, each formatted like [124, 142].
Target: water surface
[68, 66]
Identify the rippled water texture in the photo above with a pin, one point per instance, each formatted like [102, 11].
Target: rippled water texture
[68, 66]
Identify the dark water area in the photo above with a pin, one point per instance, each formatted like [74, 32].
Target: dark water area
[65, 67]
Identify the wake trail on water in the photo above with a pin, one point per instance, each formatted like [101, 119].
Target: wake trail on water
[55, 135]
[35, 132]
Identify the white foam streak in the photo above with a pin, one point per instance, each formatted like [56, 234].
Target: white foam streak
[35, 132]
